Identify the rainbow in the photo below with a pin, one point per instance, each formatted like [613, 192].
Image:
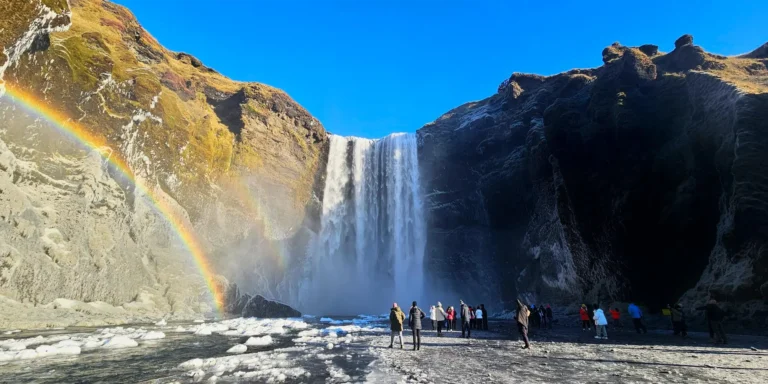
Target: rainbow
[71, 128]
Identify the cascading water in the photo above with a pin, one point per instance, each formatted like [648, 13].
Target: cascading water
[370, 250]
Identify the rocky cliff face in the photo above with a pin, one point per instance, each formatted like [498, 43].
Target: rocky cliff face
[237, 161]
[642, 180]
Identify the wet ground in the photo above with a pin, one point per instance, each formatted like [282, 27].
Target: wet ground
[356, 350]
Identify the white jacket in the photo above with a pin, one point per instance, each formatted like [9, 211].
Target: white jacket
[432, 313]
[479, 314]
[600, 317]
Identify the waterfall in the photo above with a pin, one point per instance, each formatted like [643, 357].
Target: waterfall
[370, 249]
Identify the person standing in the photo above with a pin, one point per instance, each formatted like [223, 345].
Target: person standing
[550, 316]
[479, 316]
[678, 321]
[600, 323]
[472, 317]
[584, 316]
[432, 317]
[396, 319]
[637, 317]
[716, 315]
[465, 318]
[440, 318]
[616, 317]
[414, 319]
[449, 318]
[522, 322]
[485, 317]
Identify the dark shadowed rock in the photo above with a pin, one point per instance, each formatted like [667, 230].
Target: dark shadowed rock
[258, 306]
[649, 49]
[189, 59]
[612, 52]
[759, 53]
[684, 40]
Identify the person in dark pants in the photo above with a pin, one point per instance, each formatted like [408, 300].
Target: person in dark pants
[414, 319]
[440, 317]
[716, 315]
[637, 317]
[485, 317]
[522, 322]
[549, 315]
[678, 321]
[709, 322]
[465, 318]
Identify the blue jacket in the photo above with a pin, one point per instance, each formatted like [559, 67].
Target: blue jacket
[634, 311]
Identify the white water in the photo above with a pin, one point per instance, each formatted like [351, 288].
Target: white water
[370, 250]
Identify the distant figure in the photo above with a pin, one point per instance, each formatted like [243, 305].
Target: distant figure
[440, 317]
[432, 317]
[465, 318]
[485, 317]
[616, 317]
[591, 313]
[534, 317]
[543, 317]
[584, 316]
[522, 322]
[550, 316]
[709, 322]
[479, 316]
[716, 315]
[396, 318]
[678, 321]
[637, 317]
[472, 317]
[600, 323]
[415, 316]
[449, 314]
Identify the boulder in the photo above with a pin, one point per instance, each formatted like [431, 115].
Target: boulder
[684, 40]
[649, 49]
[258, 306]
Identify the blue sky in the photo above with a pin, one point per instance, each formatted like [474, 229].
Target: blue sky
[371, 67]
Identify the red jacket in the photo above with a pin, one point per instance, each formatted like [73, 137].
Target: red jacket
[583, 313]
[615, 314]
[450, 314]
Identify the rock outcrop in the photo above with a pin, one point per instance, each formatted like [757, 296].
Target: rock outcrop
[236, 163]
[641, 179]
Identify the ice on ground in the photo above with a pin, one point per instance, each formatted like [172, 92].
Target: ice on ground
[259, 341]
[239, 348]
[272, 366]
[329, 346]
[51, 350]
[161, 323]
[26, 354]
[199, 321]
[153, 335]
[120, 342]
[326, 320]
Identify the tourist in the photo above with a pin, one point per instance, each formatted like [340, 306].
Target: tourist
[591, 313]
[479, 315]
[584, 316]
[678, 321]
[534, 317]
[465, 319]
[432, 317]
[440, 318]
[637, 317]
[543, 317]
[550, 316]
[616, 317]
[414, 319]
[396, 318]
[449, 318]
[472, 317]
[600, 323]
[485, 317]
[716, 316]
[522, 322]
[709, 322]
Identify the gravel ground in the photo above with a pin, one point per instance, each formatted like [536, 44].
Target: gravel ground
[572, 355]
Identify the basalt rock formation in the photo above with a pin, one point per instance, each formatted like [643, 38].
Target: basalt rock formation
[238, 162]
[643, 179]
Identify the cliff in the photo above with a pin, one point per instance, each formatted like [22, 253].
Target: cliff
[638, 180]
[234, 162]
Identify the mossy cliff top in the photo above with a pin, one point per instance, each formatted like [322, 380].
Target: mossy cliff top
[196, 127]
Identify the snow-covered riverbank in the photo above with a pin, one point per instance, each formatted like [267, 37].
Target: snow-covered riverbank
[325, 350]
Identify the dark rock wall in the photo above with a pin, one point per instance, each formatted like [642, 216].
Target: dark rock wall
[638, 180]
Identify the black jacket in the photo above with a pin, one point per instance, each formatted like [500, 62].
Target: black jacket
[713, 312]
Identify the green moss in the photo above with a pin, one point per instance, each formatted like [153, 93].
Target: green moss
[85, 62]
[58, 6]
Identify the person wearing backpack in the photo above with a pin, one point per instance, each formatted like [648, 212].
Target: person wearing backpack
[414, 320]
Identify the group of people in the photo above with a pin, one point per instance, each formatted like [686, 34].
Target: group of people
[470, 318]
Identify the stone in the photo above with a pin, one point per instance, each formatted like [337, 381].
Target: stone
[684, 40]
[649, 49]
[258, 306]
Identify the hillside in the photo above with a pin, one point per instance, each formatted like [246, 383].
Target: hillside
[119, 110]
